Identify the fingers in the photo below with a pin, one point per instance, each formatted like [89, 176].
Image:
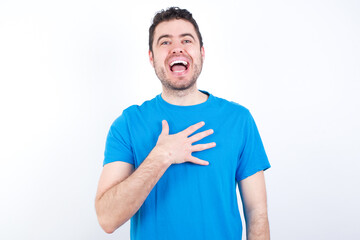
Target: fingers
[201, 135]
[190, 130]
[165, 128]
[198, 161]
[201, 147]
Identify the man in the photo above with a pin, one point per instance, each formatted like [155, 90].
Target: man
[172, 164]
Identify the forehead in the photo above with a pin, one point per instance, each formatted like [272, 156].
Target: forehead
[175, 28]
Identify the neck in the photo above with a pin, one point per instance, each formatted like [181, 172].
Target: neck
[186, 97]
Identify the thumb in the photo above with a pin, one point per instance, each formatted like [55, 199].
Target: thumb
[165, 128]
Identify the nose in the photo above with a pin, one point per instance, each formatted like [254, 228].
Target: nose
[177, 47]
[177, 50]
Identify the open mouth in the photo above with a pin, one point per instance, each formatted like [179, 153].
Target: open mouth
[179, 66]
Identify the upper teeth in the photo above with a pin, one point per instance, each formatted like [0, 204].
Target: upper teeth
[178, 61]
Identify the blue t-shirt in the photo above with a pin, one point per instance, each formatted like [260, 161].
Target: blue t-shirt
[190, 201]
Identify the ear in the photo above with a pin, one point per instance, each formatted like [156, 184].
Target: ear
[202, 50]
[151, 58]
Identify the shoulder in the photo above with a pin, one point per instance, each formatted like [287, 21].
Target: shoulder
[134, 111]
[145, 106]
[232, 107]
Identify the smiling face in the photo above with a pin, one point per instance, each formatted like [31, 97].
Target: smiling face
[176, 57]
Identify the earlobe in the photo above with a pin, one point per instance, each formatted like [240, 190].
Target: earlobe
[151, 59]
[202, 50]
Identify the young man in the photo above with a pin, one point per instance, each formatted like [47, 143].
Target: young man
[172, 164]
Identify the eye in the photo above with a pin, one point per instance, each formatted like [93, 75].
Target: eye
[165, 43]
[187, 41]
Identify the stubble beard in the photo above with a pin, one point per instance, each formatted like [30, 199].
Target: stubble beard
[166, 82]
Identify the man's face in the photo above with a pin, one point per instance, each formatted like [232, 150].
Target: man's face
[176, 57]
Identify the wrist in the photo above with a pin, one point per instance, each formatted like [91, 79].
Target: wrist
[161, 156]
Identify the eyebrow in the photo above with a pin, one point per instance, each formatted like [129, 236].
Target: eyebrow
[170, 36]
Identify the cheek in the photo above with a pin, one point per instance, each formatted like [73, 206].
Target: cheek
[196, 56]
[159, 58]
[193, 51]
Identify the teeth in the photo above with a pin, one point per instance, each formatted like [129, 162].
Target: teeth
[178, 61]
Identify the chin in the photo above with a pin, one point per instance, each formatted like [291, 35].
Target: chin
[181, 86]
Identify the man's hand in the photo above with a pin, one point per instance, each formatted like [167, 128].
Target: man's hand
[177, 148]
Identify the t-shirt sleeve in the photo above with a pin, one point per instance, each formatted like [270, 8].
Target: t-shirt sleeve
[118, 144]
[252, 158]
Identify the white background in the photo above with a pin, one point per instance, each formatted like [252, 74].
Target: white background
[69, 68]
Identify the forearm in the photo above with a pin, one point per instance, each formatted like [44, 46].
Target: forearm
[257, 226]
[122, 201]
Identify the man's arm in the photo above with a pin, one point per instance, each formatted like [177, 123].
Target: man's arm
[122, 191]
[253, 195]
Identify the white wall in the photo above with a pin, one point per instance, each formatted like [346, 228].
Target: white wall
[68, 69]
